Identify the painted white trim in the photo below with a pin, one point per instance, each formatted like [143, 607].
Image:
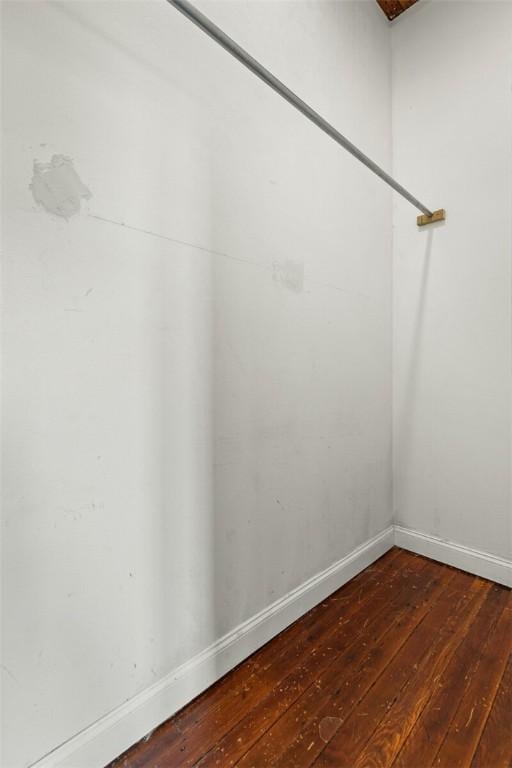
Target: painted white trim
[107, 738]
[467, 559]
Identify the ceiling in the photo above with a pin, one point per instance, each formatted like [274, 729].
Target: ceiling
[393, 8]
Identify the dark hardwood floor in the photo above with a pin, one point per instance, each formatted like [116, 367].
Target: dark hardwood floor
[408, 665]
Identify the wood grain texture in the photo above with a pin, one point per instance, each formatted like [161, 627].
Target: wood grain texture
[407, 665]
[393, 8]
[387, 739]
[462, 737]
[300, 736]
[420, 649]
[426, 737]
[495, 746]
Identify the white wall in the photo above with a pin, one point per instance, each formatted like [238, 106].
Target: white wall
[452, 143]
[197, 405]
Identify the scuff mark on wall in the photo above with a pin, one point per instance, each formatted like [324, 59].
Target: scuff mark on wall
[8, 671]
[289, 274]
[57, 186]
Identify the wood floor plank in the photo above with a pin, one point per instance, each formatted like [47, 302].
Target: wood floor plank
[386, 741]
[429, 730]
[495, 746]
[270, 661]
[226, 719]
[273, 661]
[409, 665]
[353, 669]
[463, 735]
[344, 747]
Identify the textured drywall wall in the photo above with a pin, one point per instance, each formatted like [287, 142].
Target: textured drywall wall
[196, 336]
[452, 143]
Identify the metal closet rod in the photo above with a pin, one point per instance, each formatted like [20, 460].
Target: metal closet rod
[220, 37]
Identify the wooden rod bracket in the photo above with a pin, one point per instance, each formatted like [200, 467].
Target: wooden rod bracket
[439, 215]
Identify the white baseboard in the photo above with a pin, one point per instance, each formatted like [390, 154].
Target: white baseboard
[472, 560]
[105, 739]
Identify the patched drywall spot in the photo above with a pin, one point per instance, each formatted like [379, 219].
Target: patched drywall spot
[289, 274]
[328, 727]
[57, 186]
